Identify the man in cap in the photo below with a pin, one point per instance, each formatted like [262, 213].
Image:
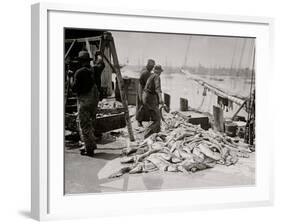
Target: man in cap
[152, 97]
[142, 113]
[87, 98]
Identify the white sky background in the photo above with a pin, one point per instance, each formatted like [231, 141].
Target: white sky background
[170, 49]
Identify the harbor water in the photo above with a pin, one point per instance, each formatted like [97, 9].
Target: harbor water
[180, 85]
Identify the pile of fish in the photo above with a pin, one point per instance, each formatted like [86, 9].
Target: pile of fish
[109, 104]
[181, 147]
[108, 108]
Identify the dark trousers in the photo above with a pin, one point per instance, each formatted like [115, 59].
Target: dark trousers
[151, 102]
[142, 113]
[87, 109]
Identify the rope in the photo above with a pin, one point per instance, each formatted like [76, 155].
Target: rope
[199, 108]
[250, 99]
[251, 88]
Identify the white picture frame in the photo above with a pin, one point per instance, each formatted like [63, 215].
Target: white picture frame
[48, 200]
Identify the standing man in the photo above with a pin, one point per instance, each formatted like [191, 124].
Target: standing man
[87, 99]
[152, 97]
[141, 110]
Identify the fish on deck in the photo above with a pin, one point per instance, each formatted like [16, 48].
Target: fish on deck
[182, 147]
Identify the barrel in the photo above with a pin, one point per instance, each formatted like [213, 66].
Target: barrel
[167, 100]
[231, 129]
[183, 104]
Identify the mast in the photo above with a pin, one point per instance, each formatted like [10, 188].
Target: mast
[187, 51]
[232, 60]
[139, 61]
[241, 57]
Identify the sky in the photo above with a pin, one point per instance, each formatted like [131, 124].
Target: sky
[134, 48]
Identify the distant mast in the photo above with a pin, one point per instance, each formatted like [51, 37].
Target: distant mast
[127, 61]
[186, 52]
[139, 62]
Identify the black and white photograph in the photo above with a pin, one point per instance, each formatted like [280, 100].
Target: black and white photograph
[147, 111]
[151, 112]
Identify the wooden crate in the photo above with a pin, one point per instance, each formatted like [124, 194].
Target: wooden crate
[103, 124]
[196, 118]
[110, 122]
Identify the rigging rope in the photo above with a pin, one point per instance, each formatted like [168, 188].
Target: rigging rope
[251, 88]
[199, 108]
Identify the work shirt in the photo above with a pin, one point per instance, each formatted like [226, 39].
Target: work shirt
[83, 80]
[153, 84]
[144, 76]
[142, 113]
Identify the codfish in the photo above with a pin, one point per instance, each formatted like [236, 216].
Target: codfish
[209, 153]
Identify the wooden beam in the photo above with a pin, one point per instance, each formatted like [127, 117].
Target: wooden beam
[221, 93]
[82, 40]
[108, 37]
[88, 46]
[216, 90]
[69, 49]
[240, 108]
[106, 78]
[108, 62]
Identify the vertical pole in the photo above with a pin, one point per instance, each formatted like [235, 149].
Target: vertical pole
[251, 102]
[106, 77]
[88, 46]
[108, 37]
[167, 100]
[68, 81]
[239, 109]
[69, 49]
[218, 118]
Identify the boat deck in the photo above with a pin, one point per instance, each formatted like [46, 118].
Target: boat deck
[90, 175]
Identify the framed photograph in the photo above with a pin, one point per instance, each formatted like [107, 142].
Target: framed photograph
[139, 111]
